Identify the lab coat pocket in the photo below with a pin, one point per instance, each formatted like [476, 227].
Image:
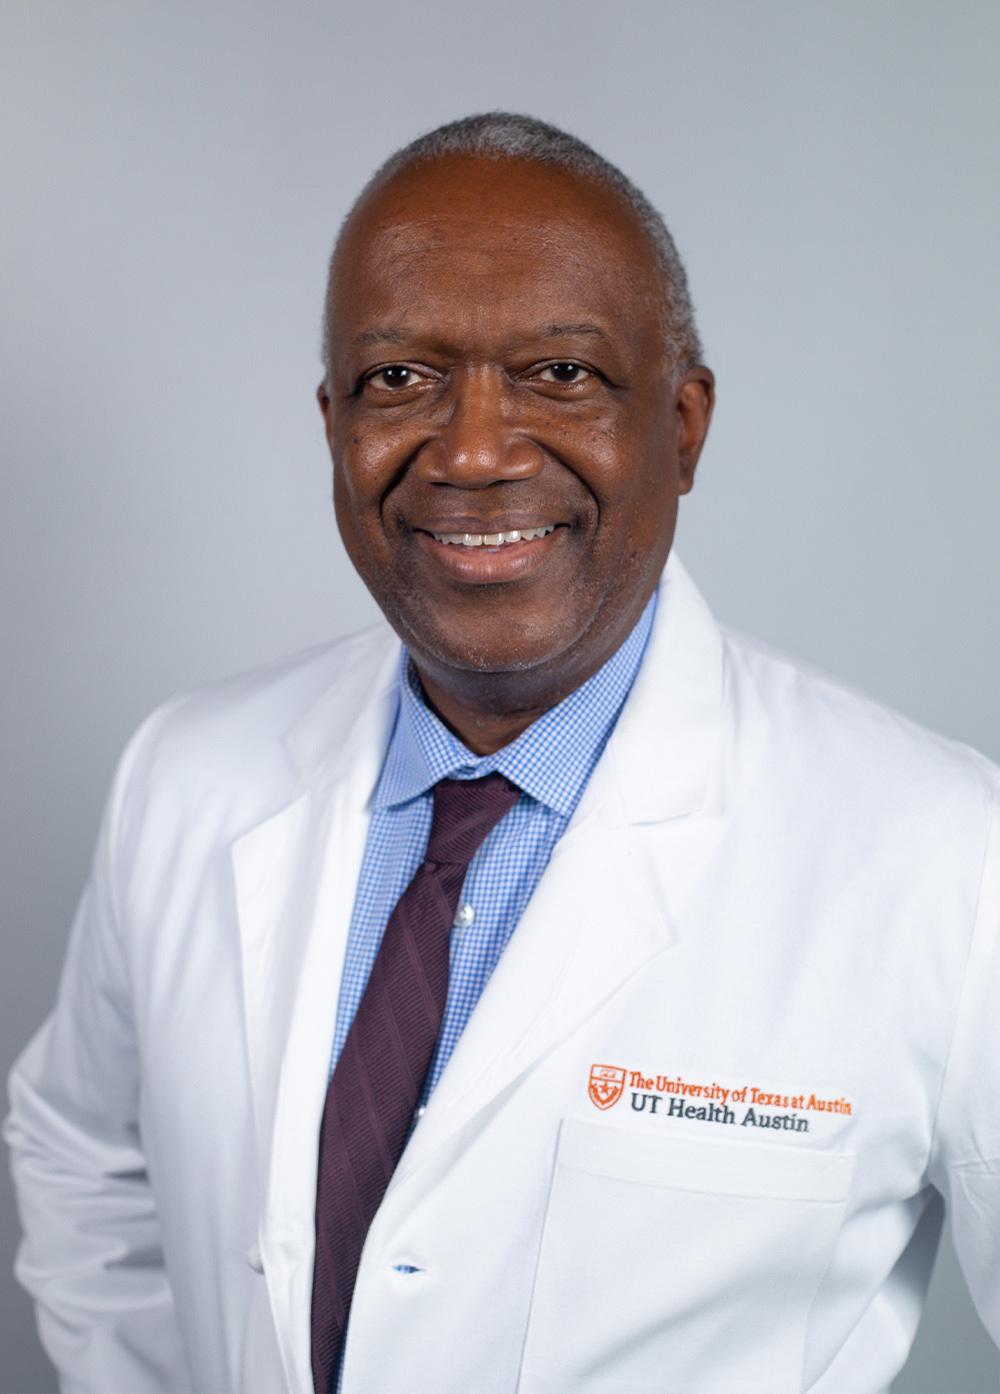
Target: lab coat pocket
[679, 1263]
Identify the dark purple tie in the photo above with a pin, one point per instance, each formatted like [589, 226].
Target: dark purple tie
[380, 1074]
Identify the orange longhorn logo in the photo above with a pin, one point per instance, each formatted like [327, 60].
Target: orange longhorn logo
[606, 1085]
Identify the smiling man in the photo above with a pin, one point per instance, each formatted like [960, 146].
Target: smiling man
[546, 991]
[514, 404]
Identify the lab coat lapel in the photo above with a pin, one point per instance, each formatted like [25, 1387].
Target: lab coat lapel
[609, 899]
[273, 938]
[296, 875]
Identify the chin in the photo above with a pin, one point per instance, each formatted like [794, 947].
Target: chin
[489, 654]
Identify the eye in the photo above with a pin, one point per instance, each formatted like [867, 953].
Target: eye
[565, 373]
[396, 375]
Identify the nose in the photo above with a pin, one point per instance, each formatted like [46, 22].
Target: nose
[480, 441]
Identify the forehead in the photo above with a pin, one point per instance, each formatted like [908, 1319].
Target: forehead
[493, 233]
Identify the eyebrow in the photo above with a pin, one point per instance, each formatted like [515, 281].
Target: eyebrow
[570, 329]
[390, 335]
[379, 336]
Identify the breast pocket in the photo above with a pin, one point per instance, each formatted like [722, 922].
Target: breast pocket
[681, 1264]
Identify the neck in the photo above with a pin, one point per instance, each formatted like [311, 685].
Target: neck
[487, 711]
[483, 731]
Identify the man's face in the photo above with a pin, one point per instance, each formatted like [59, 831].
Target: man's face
[508, 444]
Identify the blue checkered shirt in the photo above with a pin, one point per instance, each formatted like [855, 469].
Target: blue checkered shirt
[550, 762]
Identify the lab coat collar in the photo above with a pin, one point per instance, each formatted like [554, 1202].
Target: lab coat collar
[659, 765]
[330, 737]
[665, 748]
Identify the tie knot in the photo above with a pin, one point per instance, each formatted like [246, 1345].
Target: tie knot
[465, 810]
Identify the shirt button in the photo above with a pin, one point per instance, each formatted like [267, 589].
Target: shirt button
[464, 916]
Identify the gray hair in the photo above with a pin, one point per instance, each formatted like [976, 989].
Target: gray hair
[502, 135]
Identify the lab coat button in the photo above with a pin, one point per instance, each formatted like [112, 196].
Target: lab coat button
[254, 1259]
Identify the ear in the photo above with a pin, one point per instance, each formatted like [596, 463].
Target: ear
[323, 397]
[695, 403]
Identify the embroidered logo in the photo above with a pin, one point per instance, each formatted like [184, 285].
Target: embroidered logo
[606, 1085]
[745, 1105]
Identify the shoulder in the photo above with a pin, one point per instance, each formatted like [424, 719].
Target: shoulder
[835, 742]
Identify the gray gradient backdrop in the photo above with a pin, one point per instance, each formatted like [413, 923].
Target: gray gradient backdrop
[172, 174]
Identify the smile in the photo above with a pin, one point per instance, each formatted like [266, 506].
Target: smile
[491, 539]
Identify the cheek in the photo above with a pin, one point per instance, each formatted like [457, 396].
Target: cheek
[356, 521]
[362, 472]
[638, 497]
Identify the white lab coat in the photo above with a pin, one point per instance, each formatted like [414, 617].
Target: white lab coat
[774, 896]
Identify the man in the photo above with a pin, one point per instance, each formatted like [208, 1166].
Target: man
[575, 998]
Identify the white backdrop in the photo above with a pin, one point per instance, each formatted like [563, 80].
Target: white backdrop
[172, 176]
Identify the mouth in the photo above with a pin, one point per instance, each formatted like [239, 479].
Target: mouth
[492, 540]
[491, 558]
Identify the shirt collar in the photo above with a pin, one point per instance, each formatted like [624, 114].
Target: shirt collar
[551, 760]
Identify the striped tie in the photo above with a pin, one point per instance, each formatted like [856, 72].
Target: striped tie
[380, 1075]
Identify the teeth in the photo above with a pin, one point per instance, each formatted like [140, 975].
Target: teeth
[492, 539]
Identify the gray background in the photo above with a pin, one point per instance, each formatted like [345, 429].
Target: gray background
[172, 174]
